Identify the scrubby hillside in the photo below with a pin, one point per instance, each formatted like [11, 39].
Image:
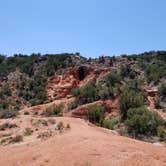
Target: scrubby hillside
[63, 109]
[125, 93]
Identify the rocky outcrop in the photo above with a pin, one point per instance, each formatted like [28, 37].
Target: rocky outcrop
[151, 91]
[60, 86]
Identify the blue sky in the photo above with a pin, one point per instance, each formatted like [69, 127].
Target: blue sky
[91, 27]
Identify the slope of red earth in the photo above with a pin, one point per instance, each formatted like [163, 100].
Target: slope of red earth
[60, 85]
[38, 110]
[84, 145]
[110, 107]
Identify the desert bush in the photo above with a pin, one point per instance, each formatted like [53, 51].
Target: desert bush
[155, 71]
[39, 123]
[44, 135]
[86, 94]
[157, 103]
[52, 121]
[162, 90]
[5, 114]
[130, 99]
[6, 140]
[72, 105]
[53, 110]
[141, 121]
[26, 113]
[95, 114]
[127, 71]
[16, 139]
[110, 123]
[108, 87]
[5, 90]
[112, 79]
[161, 133]
[60, 126]
[28, 132]
[68, 126]
[7, 126]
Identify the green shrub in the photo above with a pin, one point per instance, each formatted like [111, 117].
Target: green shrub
[86, 94]
[162, 90]
[95, 114]
[127, 71]
[7, 126]
[112, 79]
[68, 126]
[16, 139]
[72, 106]
[5, 90]
[28, 132]
[108, 87]
[130, 99]
[53, 110]
[141, 121]
[60, 127]
[110, 123]
[155, 71]
[161, 133]
[5, 114]
[26, 113]
[157, 103]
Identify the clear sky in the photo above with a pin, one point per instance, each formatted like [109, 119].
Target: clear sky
[91, 27]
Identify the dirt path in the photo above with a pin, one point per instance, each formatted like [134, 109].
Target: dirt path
[84, 145]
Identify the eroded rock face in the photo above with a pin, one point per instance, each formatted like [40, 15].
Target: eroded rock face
[59, 86]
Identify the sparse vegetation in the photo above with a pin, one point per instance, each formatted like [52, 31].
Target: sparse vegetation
[109, 86]
[95, 114]
[16, 139]
[161, 132]
[68, 126]
[44, 135]
[7, 125]
[28, 132]
[141, 121]
[34, 71]
[60, 126]
[110, 123]
[26, 113]
[5, 114]
[23, 81]
[39, 123]
[52, 121]
[86, 94]
[130, 99]
[162, 90]
[54, 110]
[157, 103]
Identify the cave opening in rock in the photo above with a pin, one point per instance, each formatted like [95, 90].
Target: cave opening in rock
[81, 73]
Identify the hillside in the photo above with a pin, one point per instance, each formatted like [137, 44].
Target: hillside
[84, 145]
[57, 108]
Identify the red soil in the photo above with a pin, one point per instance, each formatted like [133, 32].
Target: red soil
[84, 145]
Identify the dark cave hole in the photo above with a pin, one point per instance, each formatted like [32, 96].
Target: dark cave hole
[81, 73]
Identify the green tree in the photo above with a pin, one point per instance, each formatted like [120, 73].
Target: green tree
[86, 94]
[129, 99]
[95, 114]
[141, 121]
